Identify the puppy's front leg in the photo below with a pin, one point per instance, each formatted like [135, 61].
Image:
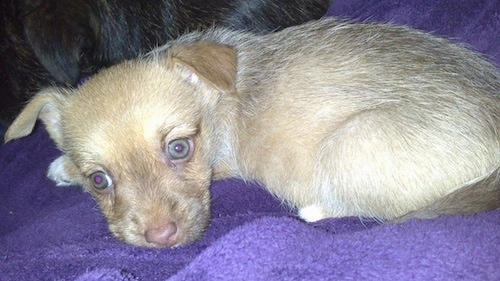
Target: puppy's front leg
[312, 213]
[64, 172]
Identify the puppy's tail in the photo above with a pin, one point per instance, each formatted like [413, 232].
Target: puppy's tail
[480, 196]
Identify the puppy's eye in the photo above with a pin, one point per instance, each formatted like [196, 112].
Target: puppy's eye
[180, 149]
[100, 181]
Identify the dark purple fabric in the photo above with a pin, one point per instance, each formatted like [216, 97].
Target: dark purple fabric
[473, 23]
[51, 233]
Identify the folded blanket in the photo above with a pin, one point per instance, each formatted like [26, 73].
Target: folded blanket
[53, 233]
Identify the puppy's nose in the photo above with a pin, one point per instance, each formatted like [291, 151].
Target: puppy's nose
[163, 235]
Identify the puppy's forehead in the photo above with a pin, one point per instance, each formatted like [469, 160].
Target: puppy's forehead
[132, 89]
[135, 100]
[133, 84]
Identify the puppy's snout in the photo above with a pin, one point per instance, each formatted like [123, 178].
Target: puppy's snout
[164, 235]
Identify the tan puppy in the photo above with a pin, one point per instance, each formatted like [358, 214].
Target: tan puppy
[335, 119]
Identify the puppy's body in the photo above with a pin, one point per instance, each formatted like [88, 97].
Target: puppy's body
[47, 42]
[395, 106]
[335, 119]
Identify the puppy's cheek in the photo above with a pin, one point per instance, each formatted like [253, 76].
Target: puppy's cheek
[106, 204]
[197, 214]
[118, 212]
[197, 218]
[120, 219]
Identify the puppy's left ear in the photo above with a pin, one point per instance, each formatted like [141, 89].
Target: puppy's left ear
[44, 106]
[211, 63]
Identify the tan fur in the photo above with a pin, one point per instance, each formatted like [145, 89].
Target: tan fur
[335, 119]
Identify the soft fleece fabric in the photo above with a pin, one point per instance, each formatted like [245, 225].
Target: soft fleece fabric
[51, 233]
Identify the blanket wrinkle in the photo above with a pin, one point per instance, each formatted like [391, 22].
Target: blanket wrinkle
[107, 275]
[380, 253]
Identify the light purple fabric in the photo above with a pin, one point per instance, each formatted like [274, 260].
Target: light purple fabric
[52, 233]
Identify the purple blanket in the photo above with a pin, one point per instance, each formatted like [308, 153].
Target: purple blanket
[51, 233]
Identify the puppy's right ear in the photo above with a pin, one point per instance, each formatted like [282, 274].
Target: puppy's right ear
[45, 106]
[213, 64]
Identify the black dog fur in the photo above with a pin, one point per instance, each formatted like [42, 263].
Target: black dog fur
[47, 42]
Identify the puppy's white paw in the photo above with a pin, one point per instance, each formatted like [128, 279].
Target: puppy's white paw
[312, 213]
[60, 172]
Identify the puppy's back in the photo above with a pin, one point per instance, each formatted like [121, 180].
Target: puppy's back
[393, 116]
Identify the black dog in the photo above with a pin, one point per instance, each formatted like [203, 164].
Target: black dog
[46, 42]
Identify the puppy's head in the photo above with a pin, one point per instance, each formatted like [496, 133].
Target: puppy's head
[139, 137]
